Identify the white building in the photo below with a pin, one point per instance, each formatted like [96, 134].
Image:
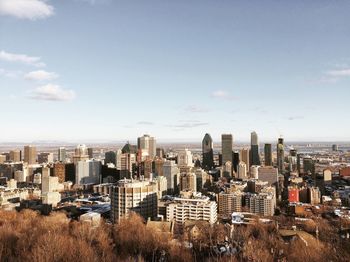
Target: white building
[148, 146]
[87, 172]
[242, 171]
[184, 159]
[172, 174]
[197, 209]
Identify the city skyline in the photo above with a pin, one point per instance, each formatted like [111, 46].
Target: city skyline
[106, 70]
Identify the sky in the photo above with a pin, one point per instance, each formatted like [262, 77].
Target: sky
[110, 70]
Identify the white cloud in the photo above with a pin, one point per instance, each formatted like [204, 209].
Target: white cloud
[52, 92]
[21, 58]
[222, 95]
[26, 9]
[41, 75]
[337, 73]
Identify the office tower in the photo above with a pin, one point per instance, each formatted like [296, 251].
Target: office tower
[172, 174]
[335, 148]
[127, 162]
[202, 178]
[254, 172]
[254, 149]
[268, 154]
[308, 165]
[245, 156]
[227, 170]
[2, 159]
[242, 171]
[208, 153]
[280, 155]
[235, 160]
[118, 159]
[15, 155]
[134, 196]
[188, 182]
[62, 154]
[292, 160]
[45, 158]
[226, 148]
[184, 160]
[229, 203]
[158, 166]
[30, 155]
[197, 209]
[87, 172]
[147, 144]
[147, 167]
[160, 152]
[110, 157]
[59, 170]
[269, 174]
[80, 154]
[91, 153]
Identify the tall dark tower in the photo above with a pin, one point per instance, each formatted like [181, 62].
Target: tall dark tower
[208, 154]
[280, 155]
[254, 149]
[268, 154]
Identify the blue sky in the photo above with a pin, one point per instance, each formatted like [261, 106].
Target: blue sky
[113, 70]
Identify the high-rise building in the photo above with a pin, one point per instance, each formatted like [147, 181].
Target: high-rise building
[134, 196]
[308, 165]
[184, 160]
[263, 204]
[245, 156]
[254, 149]
[110, 157]
[226, 147]
[235, 160]
[59, 170]
[280, 155]
[147, 144]
[2, 159]
[208, 153]
[80, 154]
[45, 157]
[242, 171]
[62, 154]
[16, 155]
[188, 182]
[172, 174]
[87, 172]
[229, 203]
[268, 154]
[91, 153]
[30, 155]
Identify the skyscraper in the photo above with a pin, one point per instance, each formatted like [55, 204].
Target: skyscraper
[172, 174]
[280, 155]
[254, 149]
[268, 154]
[30, 154]
[226, 148]
[147, 144]
[91, 152]
[245, 156]
[208, 154]
[62, 154]
[15, 155]
[80, 154]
